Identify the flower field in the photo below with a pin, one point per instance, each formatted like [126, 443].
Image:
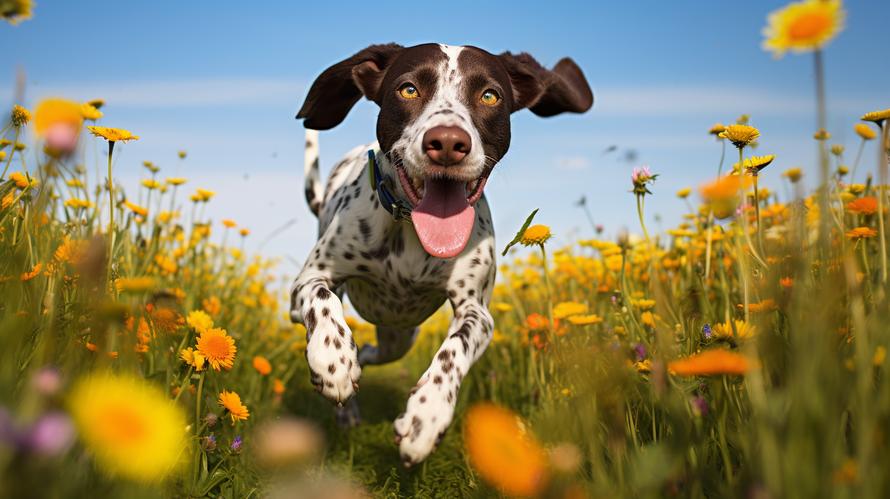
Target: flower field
[742, 352]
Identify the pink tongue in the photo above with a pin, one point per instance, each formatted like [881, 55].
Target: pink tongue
[443, 220]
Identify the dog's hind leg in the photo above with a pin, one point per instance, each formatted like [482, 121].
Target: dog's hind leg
[392, 344]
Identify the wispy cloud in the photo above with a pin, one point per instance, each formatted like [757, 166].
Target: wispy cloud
[176, 93]
[691, 100]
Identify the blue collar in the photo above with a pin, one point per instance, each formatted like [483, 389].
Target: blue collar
[400, 210]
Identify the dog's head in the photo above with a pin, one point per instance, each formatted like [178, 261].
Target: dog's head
[444, 120]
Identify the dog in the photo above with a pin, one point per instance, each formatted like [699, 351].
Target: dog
[403, 222]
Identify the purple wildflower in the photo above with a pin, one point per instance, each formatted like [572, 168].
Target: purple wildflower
[236, 444]
[706, 330]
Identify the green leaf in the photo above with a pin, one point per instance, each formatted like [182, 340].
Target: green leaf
[528, 221]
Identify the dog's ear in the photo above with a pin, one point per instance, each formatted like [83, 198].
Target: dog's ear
[340, 86]
[547, 92]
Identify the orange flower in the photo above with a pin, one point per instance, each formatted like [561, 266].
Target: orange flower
[536, 322]
[786, 282]
[710, 363]
[262, 365]
[218, 348]
[861, 233]
[503, 452]
[27, 276]
[277, 386]
[867, 205]
[231, 401]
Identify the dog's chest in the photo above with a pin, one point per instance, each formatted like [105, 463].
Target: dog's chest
[399, 284]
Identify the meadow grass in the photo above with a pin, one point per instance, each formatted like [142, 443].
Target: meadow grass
[740, 353]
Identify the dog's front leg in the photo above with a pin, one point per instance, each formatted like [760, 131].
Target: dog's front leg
[330, 349]
[431, 404]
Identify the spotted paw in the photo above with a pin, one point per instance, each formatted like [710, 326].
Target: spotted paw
[423, 424]
[333, 363]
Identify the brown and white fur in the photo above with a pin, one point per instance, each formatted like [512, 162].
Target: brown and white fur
[391, 278]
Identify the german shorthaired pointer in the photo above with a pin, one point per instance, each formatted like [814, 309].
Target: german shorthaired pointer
[403, 222]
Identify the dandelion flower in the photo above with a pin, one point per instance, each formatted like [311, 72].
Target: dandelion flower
[877, 117]
[822, 135]
[135, 284]
[131, 428]
[743, 330]
[231, 402]
[860, 233]
[262, 365]
[740, 135]
[503, 452]
[229, 223]
[20, 116]
[585, 320]
[244, 232]
[709, 363]
[175, 180]
[150, 184]
[865, 131]
[568, 308]
[199, 321]
[867, 205]
[23, 180]
[204, 194]
[112, 134]
[16, 11]
[717, 129]
[90, 112]
[31, 274]
[218, 348]
[793, 174]
[193, 358]
[684, 193]
[754, 164]
[803, 26]
[536, 234]
[135, 208]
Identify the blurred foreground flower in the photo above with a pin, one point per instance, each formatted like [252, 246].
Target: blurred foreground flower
[503, 452]
[287, 441]
[130, 427]
[709, 363]
[803, 26]
[58, 121]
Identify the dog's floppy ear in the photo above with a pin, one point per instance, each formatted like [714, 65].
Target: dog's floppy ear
[547, 92]
[340, 86]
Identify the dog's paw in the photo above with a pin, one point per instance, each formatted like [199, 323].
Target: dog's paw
[419, 430]
[333, 364]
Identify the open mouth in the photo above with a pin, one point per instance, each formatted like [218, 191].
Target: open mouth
[443, 213]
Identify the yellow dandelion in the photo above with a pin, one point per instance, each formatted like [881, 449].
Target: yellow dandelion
[740, 135]
[120, 418]
[743, 330]
[23, 180]
[244, 232]
[151, 166]
[585, 319]
[754, 164]
[135, 208]
[218, 348]
[536, 234]
[822, 135]
[193, 358]
[568, 308]
[204, 194]
[16, 11]
[7, 201]
[20, 116]
[877, 117]
[112, 134]
[644, 304]
[31, 274]
[90, 112]
[97, 103]
[793, 174]
[229, 223]
[175, 180]
[151, 184]
[199, 321]
[503, 452]
[803, 26]
[865, 131]
[684, 192]
[231, 402]
[135, 284]
[78, 203]
[717, 129]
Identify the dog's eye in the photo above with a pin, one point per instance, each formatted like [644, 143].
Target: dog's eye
[489, 97]
[409, 91]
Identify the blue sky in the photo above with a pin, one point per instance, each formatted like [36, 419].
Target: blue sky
[223, 81]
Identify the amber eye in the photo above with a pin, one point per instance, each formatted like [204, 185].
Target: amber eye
[489, 97]
[409, 91]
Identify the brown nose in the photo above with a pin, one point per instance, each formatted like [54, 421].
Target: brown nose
[446, 145]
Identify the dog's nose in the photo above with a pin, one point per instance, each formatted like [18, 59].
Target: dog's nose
[446, 145]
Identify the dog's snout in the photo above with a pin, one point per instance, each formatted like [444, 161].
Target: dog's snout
[446, 145]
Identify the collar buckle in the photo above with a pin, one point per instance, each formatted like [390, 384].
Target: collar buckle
[400, 210]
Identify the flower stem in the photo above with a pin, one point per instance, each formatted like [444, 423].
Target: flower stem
[882, 175]
[110, 211]
[640, 215]
[15, 141]
[823, 154]
[757, 215]
[549, 291]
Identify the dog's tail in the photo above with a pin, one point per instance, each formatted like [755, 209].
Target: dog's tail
[313, 188]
